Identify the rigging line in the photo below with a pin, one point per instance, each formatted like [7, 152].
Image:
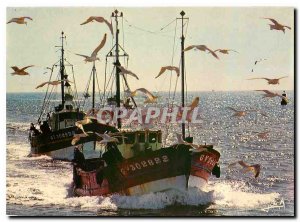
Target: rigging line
[186, 30]
[123, 36]
[111, 75]
[75, 88]
[104, 87]
[86, 90]
[100, 99]
[172, 60]
[44, 102]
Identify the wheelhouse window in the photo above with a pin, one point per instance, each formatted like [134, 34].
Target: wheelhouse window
[152, 137]
[141, 137]
[129, 138]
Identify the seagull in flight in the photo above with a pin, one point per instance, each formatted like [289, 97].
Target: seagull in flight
[269, 94]
[126, 71]
[93, 56]
[20, 20]
[240, 113]
[107, 138]
[77, 137]
[277, 26]
[83, 122]
[101, 20]
[171, 68]
[201, 48]
[246, 168]
[271, 81]
[53, 83]
[196, 148]
[20, 72]
[150, 97]
[257, 61]
[225, 51]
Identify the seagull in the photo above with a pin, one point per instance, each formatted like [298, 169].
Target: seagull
[192, 106]
[107, 139]
[257, 61]
[53, 83]
[20, 72]
[197, 148]
[277, 26]
[126, 71]
[93, 57]
[271, 81]
[101, 20]
[269, 94]
[83, 122]
[77, 137]
[201, 48]
[240, 113]
[20, 20]
[150, 97]
[171, 68]
[246, 168]
[225, 51]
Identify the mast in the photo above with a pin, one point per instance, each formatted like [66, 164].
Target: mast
[117, 63]
[93, 98]
[62, 70]
[182, 13]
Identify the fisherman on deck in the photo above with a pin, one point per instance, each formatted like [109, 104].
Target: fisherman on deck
[45, 128]
[127, 104]
[34, 130]
[79, 159]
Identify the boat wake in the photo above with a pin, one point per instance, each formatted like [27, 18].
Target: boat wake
[49, 184]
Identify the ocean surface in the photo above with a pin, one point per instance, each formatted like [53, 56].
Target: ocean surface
[40, 186]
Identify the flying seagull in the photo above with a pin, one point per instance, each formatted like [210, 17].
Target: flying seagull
[20, 20]
[126, 71]
[277, 26]
[77, 137]
[83, 122]
[53, 83]
[20, 72]
[197, 148]
[93, 56]
[246, 168]
[107, 138]
[171, 68]
[150, 97]
[269, 94]
[257, 61]
[225, 51]
[101, 20]
[201, 48]
[240, 113]
[271, 81]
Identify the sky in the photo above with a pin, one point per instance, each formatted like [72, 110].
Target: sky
[241, 29]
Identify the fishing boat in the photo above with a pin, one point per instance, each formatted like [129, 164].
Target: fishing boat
[136, 162]
[53, 133]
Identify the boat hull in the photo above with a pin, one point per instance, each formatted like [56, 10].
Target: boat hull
[172, 168]
[58, 144]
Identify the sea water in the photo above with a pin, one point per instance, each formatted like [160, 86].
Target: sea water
[41, 186]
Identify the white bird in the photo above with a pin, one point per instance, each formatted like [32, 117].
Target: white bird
[77, 137]
[20, 72]
[171, 68]
[201, 48]
[20, 20]
[150, 97]
[225, 51]
[271, 81]
[107, 138]
[277, 26]
[196, 148]
[240, 113]
[246, 168]
[83, 122]
[126, 71]
[101, 20]
[93, 56]
[269, 94]
[53, 83]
